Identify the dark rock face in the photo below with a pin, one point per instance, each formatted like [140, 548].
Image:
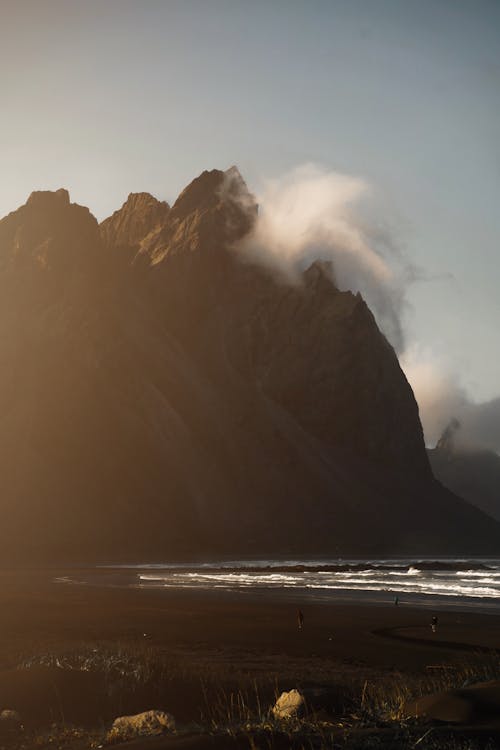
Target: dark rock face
[162, 396]
[49, 233]
[472, 473]
[140, 215]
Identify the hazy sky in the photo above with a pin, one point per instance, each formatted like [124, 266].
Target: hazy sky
[105, 97]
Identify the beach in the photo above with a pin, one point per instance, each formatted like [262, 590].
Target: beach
[37, 610]
[212, 640]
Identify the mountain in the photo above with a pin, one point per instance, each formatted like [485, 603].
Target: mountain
[472, 473]
[140, 215]
[164, 396]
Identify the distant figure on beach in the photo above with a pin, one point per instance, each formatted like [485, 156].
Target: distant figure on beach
[396, 600]
[434, 623]
[300, 619]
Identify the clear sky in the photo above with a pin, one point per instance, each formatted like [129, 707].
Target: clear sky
[106, 97]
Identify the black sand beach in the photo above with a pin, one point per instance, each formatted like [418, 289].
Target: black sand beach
[212, 644]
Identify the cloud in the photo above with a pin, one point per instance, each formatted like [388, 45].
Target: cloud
[311, 214]
[314, 214]
[480, 425]
[441, 397]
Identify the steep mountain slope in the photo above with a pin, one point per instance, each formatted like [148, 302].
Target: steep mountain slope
[140, 215]
[473, 474]
[163, 396]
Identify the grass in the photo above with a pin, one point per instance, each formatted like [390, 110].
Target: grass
[347, 711]
[386, 699]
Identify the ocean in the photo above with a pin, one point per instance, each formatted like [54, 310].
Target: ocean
[468, 580]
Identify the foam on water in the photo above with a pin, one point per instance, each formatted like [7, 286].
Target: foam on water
[460, 578]
[467, 579]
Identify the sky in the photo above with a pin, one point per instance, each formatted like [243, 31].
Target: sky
[105, 97]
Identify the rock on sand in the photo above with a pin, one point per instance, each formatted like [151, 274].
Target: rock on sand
[139, 725]
[289, 705]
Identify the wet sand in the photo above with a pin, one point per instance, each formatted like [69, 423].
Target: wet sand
[36, 612]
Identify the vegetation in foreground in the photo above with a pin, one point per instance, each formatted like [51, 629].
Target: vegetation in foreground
[344, 710]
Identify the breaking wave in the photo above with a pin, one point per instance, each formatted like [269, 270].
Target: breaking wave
[460, 578]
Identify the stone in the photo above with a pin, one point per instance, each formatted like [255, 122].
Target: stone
[475, 704]
[148, 723]
[290, 705]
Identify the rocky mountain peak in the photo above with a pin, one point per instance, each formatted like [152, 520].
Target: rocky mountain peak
[47, 199]
[48, 232]
[137, 200]
[140, 215]
[319, 275]
[214, 211]
[447, 442]
[201, 194]
[214, 189]
[144, 202]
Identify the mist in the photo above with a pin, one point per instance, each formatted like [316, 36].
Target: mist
[442, 397]
[311, 213]
[439, 394]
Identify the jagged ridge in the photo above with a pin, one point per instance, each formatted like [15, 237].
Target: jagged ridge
[162, 396]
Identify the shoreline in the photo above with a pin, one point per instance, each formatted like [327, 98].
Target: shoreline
[33, 604]
[128, 578]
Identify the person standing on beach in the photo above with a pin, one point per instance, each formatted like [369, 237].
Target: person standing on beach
[434, 623]
[300, 619]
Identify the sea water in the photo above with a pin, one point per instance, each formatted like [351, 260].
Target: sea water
[467, 579]
[477, 578]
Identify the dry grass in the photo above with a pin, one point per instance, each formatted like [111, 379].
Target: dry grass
[386, 699]
[354, 713]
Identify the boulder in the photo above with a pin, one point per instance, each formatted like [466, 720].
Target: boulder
[144, 724]
[289, 705]
[475, 704]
